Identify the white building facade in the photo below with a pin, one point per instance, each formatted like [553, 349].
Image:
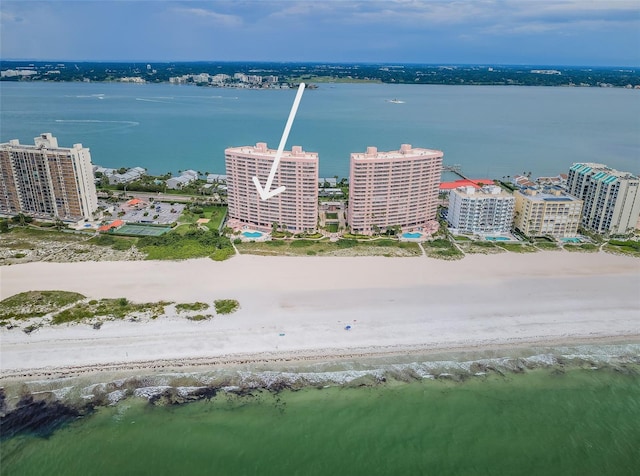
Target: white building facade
[488, 210]
[47, 181]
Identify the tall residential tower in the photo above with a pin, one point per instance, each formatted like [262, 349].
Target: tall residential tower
[295, 209]
[391, 189]
[47, 181]
[611, 198]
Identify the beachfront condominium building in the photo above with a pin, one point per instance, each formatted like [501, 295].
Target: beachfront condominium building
[294, 210]
[393, 189]
[47, 181]
[487, 210]
[611, 198]
[549, 212]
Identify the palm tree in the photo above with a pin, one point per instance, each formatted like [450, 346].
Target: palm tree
[20, 219]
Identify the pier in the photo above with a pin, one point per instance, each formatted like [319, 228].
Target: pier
[456, 169]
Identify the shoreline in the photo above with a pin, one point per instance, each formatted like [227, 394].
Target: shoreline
[298, 309]
[321, 356]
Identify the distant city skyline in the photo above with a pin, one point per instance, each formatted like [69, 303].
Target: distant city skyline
[544, 32]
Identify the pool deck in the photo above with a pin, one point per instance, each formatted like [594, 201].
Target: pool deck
[415, 237]
[263, 236]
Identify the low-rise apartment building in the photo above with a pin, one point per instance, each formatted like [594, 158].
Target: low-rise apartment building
[550, 212]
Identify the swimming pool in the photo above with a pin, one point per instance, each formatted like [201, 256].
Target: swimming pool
[496, 238]
[571, 240]
[411, 235]
[252, 234]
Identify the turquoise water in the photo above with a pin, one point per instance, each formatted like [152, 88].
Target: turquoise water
[544, 422]
[497, 238]
[571, 240]
[411, 235]
[252, 234]
[490, 131]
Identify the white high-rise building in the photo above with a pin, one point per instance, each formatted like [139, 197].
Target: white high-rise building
[47, 181]
[488, 210]
[295, 209]
[611, 198]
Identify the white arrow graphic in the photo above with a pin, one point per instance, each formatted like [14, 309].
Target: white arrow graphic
[267, 192]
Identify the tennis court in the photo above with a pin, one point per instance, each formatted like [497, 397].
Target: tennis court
[141, 230]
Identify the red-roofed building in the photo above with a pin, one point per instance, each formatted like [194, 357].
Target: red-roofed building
[113, 225]
[136, 203]
[475, 183]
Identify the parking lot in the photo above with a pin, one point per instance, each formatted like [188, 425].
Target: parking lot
[140, 211]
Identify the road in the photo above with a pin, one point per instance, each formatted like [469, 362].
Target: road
[162, 197]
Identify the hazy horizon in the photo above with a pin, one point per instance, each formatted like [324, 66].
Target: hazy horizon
[319, 62]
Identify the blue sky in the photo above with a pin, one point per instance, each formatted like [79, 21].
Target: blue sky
[544, 32]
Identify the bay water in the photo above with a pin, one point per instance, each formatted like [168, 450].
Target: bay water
[490, 131]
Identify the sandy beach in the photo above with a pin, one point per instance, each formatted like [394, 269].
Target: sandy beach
[298, 308]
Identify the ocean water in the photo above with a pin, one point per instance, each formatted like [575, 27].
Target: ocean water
[544, 414]
[490, 131]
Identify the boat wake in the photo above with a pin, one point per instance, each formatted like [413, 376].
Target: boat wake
[96, 121]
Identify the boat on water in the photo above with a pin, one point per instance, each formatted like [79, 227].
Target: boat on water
[395, 101]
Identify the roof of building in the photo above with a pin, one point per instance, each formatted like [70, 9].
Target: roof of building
[601, 172]
[113, 224]
[261, 149]
[405, 151]
[549, 195]
[475, 183]
[486, 192]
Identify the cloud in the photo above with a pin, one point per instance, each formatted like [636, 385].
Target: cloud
[345, 30]
[219, 19]
[8, 17]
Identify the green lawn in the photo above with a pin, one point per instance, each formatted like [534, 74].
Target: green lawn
[215, 214]
[545, 245]
[25, 234]
[116, 242]
[480, 247]
[588, 247]
[185, 244]
[628, 247]
[442, 248]
[344, 247]
[517, 247]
